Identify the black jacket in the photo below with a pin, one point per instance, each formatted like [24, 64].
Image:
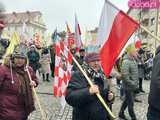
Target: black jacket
[85, 106]
[34, 57]
[154, 96]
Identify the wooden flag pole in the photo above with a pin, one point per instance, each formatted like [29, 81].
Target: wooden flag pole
[155, 37]
[98, 95]
[36, 97]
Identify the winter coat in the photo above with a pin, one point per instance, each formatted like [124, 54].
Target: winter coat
[85, 106]
[11, 102]
[45, 63]
[154, 95]
[129, 73]
[34, 57]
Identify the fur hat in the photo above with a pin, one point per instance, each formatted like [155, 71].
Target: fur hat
[20, 51]
[91, 57]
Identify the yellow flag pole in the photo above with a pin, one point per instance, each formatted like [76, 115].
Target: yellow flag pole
[36, 97]
[98, 95]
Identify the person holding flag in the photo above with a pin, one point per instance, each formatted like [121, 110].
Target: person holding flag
[82, 97]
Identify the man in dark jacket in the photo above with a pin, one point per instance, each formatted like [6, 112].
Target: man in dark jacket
[81, 96]
[154, 95]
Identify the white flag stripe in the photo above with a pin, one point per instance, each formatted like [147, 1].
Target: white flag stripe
[106, 27]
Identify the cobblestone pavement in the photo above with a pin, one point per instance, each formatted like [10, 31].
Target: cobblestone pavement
[51, 105]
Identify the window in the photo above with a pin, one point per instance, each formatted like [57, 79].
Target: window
[145, 22]
[152, 31]
[152, 21]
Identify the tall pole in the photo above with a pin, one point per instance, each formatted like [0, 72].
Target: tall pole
[156, 31]
[36, 97]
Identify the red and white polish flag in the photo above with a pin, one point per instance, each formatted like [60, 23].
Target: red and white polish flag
[115, 29]
[78, 40]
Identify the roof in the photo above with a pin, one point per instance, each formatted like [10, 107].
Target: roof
[21, 17]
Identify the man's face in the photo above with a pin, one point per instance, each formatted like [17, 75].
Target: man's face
[82, 53]
[32, 49]
[19, 62]
[95, 65]
[134, 54]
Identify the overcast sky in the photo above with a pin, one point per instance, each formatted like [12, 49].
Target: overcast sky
[56, 12]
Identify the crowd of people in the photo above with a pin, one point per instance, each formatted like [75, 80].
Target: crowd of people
[129, 71]
[134, 66]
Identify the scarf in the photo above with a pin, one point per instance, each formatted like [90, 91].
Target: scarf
[25, 89]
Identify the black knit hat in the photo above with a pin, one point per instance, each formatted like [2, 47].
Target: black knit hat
[82, 50]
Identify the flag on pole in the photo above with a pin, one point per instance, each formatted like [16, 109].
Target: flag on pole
[78, 40]
[62, 72]
[70, 37]
[115, 29]
[68, 28]
[15, 40]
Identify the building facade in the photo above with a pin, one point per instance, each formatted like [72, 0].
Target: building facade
[25, 23]
[150, 19]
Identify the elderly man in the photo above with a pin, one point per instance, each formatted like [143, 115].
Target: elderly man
[82, 97]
